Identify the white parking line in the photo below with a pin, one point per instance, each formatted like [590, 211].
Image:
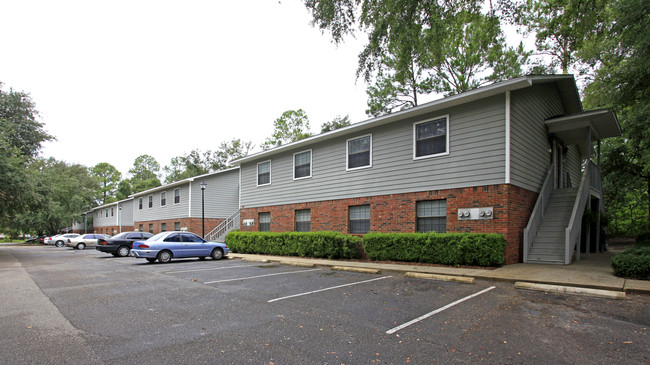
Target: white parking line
[260, 276]
[212, 268]
[333, 287]
[393, 330]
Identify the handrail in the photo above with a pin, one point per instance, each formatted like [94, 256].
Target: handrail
[537, 214]
[224, 227]
[573, 231]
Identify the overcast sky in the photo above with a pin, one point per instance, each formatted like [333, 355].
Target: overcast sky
[113, 80]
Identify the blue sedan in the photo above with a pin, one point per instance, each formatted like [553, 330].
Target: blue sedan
[167, 245]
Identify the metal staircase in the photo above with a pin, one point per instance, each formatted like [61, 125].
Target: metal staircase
[219, 233]
[549, 244]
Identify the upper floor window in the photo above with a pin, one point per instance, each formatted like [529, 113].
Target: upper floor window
[302, 165]
[177, 196]
[432, 216]
[151, 201]
[112, 211]
[163, 199]
[139, 203]
[264, 173]
[431, 138]
[359, 152]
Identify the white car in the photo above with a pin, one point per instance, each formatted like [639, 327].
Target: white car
[85, 240]
[60, 239]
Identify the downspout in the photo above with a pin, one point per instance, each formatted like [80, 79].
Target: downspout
[507, 137]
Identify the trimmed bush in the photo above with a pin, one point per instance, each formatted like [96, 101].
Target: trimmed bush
[331, 245]
[633, 263]
[471, 249]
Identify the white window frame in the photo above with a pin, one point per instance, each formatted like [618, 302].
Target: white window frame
[150, 201]
[311, 154]
[446, 116]
[163, 203]
[179, 195]
[140, 203]
[347, 153]
[257, 173]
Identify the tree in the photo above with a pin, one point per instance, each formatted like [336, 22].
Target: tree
[123, 189]
[622, 82]
[109, 178]
[291, 126]
[232, 150]
[21, 136]
[144, 173]
[417, 47]
[336, 123]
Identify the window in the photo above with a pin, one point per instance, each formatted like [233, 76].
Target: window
[141, 228]
[177, 226]
[177, 196]
[360, 219]
[163, 199]
[112, 211]
[150, 201]
[303, 220]
[432, 216]
[140, 203]
[359, 152]
[106, 212]
[302, 165]
[163, 227]
[151, 228]
[264, 173]
[431, 138]
[265, 222]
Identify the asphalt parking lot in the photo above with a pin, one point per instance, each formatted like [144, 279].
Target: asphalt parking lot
[68, 306]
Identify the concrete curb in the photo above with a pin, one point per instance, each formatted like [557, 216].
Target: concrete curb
[609, 294]
[356, 269]
[456, 279]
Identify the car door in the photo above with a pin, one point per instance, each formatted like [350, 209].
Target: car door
[91, 240]
[174, 243]
[194, 246]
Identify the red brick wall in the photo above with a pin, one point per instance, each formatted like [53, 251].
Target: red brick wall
[193, 224]
[397, 213]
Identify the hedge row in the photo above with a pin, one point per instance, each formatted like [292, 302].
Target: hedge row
[436, 248]
[331, 245]
[474, 249]
[633, 263]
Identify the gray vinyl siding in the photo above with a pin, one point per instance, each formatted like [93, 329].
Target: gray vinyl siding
[476, 157]
[168, 211]
[221, 195]
[99, 215]
[573, 165]
[529, 148]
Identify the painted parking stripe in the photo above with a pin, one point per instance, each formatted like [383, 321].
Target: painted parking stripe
[325, 289]
[393, 330]
[261, 276]
[211, 268]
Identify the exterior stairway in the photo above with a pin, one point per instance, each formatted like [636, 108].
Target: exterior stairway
[549, 244]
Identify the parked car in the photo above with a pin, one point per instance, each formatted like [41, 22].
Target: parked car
[60, 239]
[121, 244]
[167, 245]
[36, 239]
[85, 240]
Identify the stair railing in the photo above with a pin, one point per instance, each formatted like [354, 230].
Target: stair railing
[537, 214]
[574, 229]
[224, 227]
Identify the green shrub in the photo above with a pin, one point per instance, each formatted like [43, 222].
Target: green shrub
[473, 249]
[330, 245]
[633, 263]
[643, 239]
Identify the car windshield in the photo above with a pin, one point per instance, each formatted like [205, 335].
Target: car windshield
[120, 235]
[158, 236]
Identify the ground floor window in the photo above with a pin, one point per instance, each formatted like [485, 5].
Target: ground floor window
[303, 220]
[360, 219]
[151, 228]
[163, 227]
[141, 228]
[265, 222]
[177, 226]
[432, 216]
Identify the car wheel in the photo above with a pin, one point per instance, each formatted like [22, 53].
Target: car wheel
[81, 246]
[165, 257]
[151, 259]
[217, 254]
[58, 243]
[123, 251]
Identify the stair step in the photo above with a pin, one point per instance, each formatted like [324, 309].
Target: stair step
[545, 258]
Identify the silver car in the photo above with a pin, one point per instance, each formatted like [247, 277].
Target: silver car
[60, 239]
[85, 240]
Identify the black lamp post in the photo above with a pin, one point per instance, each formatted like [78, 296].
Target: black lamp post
[119, 216]
[203, 185]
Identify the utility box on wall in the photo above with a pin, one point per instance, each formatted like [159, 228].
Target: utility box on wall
[248, 222]
[475, 213]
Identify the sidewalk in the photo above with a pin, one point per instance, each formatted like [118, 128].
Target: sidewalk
[593, 272]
